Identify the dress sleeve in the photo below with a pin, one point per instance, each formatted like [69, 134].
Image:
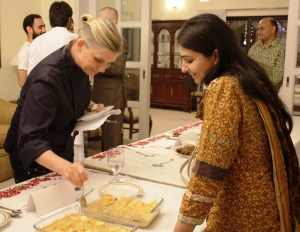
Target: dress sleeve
[219, 143]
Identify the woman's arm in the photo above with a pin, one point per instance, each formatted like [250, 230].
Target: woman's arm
[73, 172]
[181, 227]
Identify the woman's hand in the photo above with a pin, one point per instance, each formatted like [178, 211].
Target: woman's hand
[73, 172]
[76, 174]
[93, 106]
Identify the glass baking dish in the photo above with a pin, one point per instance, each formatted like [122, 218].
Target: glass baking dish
[143, 219]
[112, 221]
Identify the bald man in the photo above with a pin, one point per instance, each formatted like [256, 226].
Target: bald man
[109, 88]
[269, 51]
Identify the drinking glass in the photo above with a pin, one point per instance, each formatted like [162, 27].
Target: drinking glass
[116, 161]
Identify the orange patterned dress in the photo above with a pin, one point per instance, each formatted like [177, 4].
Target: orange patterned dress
[232, 183]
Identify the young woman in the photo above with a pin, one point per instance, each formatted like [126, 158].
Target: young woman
[56, 93]
[246, 175]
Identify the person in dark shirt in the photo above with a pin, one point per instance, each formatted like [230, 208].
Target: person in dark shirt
[56, 93]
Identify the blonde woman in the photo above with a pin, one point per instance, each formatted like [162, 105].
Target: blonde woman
[56, 93]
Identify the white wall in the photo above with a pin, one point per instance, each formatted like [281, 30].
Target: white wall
[233, 8]
[12, 13]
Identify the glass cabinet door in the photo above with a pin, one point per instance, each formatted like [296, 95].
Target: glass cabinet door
[177, 57]
[163, 53]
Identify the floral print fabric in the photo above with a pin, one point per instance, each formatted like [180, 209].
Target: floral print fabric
[232, 182]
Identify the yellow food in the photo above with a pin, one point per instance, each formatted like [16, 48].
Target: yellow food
[125, 207]
[79, 223]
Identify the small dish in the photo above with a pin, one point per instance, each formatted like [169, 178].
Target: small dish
[187, 148]
[122, 189]
[170, 135]
[94, 114]
[4, 217]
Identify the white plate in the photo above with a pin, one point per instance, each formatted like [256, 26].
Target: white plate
[94, 114]
[4, 217]
[122, 189]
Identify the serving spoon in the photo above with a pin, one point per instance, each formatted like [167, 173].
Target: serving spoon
[82, 199]
[14, 211]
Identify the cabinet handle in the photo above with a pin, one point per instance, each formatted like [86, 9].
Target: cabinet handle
[155, 75]
[151, 90]
[171, 92]
[182, 77]
[167, 76]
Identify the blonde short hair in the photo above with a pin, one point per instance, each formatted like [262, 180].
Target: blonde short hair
[100, 32]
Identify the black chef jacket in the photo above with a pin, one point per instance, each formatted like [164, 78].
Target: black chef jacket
[55, 94]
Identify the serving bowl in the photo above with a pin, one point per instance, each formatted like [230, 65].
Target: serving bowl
[117, 223]
[140, 208]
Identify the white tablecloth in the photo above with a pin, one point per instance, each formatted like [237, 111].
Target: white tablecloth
[136, 165]
[143, 156]
[163, 223]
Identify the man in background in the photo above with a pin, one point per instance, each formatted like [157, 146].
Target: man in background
[33, 26]
[269, 52]
[109, 89]
[60, 14]
[71, 29]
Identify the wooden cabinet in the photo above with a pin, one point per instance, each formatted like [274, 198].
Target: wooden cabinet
[166, 77]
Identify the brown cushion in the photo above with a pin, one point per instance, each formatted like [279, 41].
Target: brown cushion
[3, 133]
[136, 114]
[7, 110]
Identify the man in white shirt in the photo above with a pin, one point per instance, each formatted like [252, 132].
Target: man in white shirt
[33, 26]
[60, 14]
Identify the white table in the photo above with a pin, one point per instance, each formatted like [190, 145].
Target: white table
[172, 195]
[142, 156]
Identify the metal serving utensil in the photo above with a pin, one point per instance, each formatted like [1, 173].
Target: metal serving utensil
[14, 211]
[82, 199]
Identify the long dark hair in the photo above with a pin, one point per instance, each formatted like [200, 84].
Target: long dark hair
[206, 32]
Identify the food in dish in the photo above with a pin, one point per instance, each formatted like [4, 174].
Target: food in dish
[185, 149]
[172, 135]
[122, 204]
[140, 208]
[127, 208]
[175, 134]
[84, 220]
[77, 222]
